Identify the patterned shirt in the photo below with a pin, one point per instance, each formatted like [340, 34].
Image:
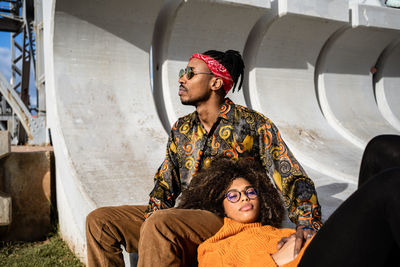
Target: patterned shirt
[238, 133]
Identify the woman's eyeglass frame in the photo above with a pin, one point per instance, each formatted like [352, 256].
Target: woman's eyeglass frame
[250, 192]
[190, 73]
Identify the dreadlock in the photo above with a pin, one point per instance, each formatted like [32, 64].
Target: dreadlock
[232, 61]
[207, 189]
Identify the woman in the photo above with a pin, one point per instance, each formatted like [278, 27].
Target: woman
[253, 211]
[363, 231]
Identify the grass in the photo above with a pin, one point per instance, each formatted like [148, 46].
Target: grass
[51, 252]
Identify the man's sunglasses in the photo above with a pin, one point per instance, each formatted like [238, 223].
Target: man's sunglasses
[235, 195]
[190, 73]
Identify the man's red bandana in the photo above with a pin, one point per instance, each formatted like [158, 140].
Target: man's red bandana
[218, 69]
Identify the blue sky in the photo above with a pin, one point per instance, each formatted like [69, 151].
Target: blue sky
[5, 63]
[5, 39]
[5, 54]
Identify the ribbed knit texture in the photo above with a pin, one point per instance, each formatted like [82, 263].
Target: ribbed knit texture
[243, 244]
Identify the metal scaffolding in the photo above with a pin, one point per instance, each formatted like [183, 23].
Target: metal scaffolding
[24, 120]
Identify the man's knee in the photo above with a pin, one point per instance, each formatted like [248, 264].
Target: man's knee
[168, 222]
[158, 220]
[97, 217]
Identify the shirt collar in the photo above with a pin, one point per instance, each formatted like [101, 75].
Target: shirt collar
[226, 111]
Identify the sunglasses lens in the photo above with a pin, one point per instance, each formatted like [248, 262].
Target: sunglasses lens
[189, 73]
[181, 73]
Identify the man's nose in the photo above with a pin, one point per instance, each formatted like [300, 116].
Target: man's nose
[182, 79]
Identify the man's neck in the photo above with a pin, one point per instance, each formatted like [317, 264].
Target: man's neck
[208, 112]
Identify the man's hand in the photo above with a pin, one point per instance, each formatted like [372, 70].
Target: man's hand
[302, 235]
[285, 253]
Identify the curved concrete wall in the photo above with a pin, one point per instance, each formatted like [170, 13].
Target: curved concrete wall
[345, 83]
[307, 68]
[387, 85]
[195, 26]
[104, 125]
[281, 84]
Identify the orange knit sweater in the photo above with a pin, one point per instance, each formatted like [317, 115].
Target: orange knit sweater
[239, 244]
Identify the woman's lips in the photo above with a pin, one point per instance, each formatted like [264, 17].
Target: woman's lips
[246, 207]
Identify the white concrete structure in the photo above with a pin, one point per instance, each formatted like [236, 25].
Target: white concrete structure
[307, 68]
[5, 199]
[387, 85]
[345, 82]
[108, 138]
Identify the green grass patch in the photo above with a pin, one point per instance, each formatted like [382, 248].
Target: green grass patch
[51, 252]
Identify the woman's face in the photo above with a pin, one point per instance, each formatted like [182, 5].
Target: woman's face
[245, 210]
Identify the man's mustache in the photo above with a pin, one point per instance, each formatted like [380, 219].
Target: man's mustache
[183, 87]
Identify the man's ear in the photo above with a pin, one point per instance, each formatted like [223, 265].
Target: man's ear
[216, 83]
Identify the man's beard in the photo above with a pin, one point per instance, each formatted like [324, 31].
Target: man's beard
[195, 102]
[188, 103]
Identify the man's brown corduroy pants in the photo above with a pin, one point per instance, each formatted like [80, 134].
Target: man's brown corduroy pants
[167, 238]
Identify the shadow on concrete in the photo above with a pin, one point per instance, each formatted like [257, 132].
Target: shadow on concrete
[328, 201]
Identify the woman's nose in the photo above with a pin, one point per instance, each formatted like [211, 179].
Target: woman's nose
[244, 197]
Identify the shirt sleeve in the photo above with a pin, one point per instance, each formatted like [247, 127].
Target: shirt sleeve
[167, 184]
[298, 191]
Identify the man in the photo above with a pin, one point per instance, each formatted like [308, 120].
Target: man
[218, 128]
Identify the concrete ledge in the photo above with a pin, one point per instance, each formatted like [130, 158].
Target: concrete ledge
[254, 3]
[5, 209]
[375, 16]
[332, 10]
[5, 199]
[4, 143]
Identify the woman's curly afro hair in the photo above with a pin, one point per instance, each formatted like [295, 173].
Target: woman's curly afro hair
[207, 189]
